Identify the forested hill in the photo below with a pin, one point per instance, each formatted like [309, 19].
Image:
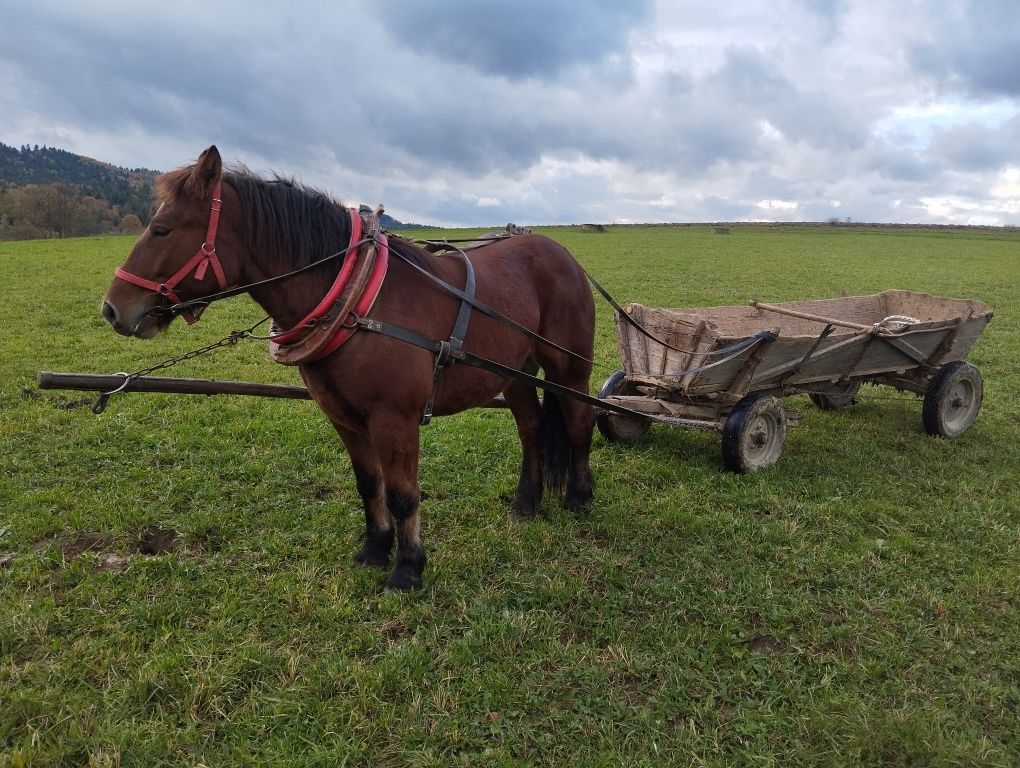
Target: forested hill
[49, 192]
[45, 165]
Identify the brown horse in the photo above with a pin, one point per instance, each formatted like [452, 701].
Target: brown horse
[374, 388]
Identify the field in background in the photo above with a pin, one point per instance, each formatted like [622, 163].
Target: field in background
[176, 584]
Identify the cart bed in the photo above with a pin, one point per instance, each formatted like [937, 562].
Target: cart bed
[945, 330]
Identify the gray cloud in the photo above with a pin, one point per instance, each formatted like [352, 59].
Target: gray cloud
[976, 48]
[522, 39]
[977, 147]
[466, 112]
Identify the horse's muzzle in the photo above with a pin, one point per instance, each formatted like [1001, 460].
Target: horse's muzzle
[143, 325]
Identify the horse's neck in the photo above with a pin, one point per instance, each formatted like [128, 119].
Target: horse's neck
[289, 300]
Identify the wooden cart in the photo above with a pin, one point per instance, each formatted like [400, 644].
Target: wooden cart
[724, 368]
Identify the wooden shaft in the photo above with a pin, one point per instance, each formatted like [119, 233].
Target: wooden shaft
[90, 382]
[808, 316]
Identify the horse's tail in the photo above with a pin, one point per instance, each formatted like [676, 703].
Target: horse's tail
[556, 451]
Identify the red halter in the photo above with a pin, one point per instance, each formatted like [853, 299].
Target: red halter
[198, 264]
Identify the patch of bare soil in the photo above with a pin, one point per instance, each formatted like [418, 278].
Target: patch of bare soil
[395, 631]
[158, 541]
[86, 541]
[765, 644]
[111, 561]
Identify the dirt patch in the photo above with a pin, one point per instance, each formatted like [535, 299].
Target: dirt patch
[70, 405]
[395, 631]
[111, 561]
[86, 541]
[158, 541]
[765, 645]
[832, 619]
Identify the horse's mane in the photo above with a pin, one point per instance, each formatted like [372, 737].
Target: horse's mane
[294, 225]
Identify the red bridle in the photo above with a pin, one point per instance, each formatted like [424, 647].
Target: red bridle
[198, 264]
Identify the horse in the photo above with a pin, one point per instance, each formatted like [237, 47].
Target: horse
[269, 237]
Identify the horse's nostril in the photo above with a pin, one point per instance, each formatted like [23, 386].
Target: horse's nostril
[109, 312]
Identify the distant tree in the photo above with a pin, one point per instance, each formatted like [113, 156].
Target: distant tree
[121, 192]
[131, 225]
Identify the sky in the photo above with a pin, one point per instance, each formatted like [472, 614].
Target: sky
[479, 113]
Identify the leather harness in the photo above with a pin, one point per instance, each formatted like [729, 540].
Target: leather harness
[341, 311]
[344, 308]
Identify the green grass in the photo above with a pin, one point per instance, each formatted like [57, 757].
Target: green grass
[856, 604]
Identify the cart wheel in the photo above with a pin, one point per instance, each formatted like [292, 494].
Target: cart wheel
[835, 399]
[953, 399]
[616, 427]
[754, 433]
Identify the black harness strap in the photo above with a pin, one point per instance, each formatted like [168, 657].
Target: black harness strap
[487, 310]
[456, 340]
[490, 366]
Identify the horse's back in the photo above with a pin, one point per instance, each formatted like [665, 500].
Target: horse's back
[539, 263]
[541, 282]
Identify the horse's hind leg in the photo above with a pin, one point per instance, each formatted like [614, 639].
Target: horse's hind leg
[375, 550]
[572, 421]
[523, 403]
[579, 421]
[396, 440]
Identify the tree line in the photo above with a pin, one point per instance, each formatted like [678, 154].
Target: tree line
[48, 192]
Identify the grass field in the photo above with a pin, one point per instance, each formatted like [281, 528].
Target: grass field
[856, 604]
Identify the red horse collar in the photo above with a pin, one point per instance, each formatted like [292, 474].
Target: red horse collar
[352, 295]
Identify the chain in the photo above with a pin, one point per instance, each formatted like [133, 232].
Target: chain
[227, 341]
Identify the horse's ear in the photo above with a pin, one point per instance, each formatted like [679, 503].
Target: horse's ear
[206, 172]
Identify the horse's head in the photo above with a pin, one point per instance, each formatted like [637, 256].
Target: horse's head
[176, 258]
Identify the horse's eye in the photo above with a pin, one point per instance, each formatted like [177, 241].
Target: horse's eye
[160, 231]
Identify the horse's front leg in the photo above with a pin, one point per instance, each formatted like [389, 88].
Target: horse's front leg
[375, 550]
[396, 440]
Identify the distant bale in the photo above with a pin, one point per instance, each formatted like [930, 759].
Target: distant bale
[592, 228]
[720, 230]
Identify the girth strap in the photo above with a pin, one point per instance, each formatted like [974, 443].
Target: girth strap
[487, 310]
[456, 341]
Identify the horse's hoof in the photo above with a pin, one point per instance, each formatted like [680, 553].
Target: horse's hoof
[525, 514]
[396, 586]
[526, 509]
[406, 576]
[579, 497]
[375, 557]
[579, 505]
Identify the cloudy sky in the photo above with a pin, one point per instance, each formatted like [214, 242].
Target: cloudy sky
[477, 112]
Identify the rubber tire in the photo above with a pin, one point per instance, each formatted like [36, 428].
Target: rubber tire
[953, 399]
[836, 400]
[754, 433]
[616, 427]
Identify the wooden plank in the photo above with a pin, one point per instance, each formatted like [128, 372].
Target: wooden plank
[781, 310]
[947, 343]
